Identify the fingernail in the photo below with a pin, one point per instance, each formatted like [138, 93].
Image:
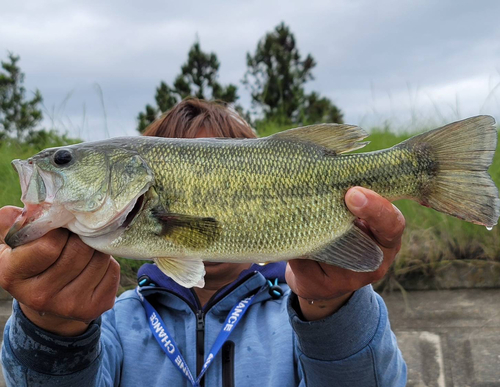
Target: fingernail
[357, 199]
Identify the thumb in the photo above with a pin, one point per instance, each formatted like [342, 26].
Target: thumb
[383, 219]
[8, 216]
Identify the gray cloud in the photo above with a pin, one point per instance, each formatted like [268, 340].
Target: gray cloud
[378, 61]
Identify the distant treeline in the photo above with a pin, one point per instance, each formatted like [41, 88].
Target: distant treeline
[275, 77]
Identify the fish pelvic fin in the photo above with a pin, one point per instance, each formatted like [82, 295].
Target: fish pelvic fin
[188, 231]
[461, 154]
[187, 273]
[337, 138]
[354, 251]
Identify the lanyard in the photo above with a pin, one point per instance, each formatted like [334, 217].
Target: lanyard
[168, 345]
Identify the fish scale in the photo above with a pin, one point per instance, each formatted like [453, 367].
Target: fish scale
[303, 210]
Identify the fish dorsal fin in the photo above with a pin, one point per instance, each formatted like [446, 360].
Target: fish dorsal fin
[338, 138]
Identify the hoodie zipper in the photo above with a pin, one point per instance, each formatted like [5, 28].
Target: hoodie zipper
[200, 321]
[228, 364]
[200, 324]
[200, 343]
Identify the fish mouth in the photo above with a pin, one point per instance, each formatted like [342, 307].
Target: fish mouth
[37, 217]
[136, 209]
[37, 220]
[42, 212]
[19, 233]
[24, 170]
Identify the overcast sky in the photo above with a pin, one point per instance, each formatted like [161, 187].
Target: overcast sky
[409, 63]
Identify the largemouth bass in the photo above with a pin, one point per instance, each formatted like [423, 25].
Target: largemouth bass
[183, 201]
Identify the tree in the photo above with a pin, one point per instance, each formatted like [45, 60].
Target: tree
[17, 115]
[276, 77]
[318, 109]
[198, 78]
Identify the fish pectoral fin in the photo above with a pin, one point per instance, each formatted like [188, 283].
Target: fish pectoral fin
[354, 251]
[335, 137]
[187, 273]
[188, 231]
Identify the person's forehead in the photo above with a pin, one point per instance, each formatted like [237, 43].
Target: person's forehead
[204, 132]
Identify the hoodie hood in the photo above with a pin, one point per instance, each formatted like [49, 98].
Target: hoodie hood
[270, 271]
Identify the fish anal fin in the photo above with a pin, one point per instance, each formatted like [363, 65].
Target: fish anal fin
[187, 273]
[337, 138]
[354, 251]
[188, 231]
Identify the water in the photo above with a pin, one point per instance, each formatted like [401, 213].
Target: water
[489, 228]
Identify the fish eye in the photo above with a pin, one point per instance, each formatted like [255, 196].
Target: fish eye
[63, 157]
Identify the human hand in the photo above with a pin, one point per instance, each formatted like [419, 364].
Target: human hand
[61, 284]
[321, 288]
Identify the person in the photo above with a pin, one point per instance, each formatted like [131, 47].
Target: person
[311, 324]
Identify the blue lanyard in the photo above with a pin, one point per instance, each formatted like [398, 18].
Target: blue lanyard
[167, 343]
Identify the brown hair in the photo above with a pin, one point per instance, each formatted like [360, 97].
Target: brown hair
[191, 115]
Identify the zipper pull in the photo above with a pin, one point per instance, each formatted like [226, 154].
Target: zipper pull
[200, 321]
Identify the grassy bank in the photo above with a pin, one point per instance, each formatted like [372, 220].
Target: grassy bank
[432, 241]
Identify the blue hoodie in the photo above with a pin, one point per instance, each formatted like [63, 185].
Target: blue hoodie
[271, 346]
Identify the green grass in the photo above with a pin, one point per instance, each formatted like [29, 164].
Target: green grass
[430, 243]
[10, 191]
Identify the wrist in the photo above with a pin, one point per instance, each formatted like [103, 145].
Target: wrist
[51, 323]
[313, 310]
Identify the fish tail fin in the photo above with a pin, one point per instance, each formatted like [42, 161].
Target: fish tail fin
[459, 183]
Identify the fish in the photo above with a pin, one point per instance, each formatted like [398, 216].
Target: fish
[180, 202]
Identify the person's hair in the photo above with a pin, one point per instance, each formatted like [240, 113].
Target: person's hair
[191, 115]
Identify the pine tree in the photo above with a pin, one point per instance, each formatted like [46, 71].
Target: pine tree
[276, 76]
[198, 78]
[318, 109]
[17, 115]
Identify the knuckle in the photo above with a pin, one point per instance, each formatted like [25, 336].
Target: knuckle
[94, 264]
[76, 247]
[108, 304]
[48, 249]
[392, 234]
[114, 268]
[379, 209]
[114, 265]
[389, 229]
[39, 302]
[7, 280]
[399, 219]
[375, 212]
